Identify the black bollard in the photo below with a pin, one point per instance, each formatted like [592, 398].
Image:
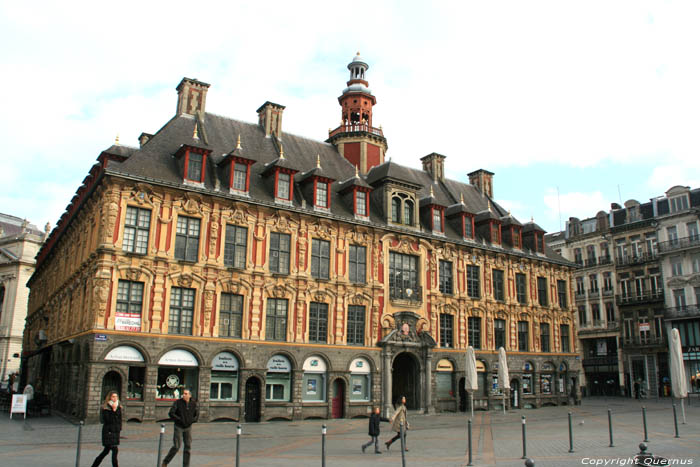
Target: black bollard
[644, 420]
[238, 445]
[403, 445]
[610, 428]
[524, 439]
[80, 433]
[323, 446]
[160, 443]
[469, 430]
[675, 421]
[571, 435]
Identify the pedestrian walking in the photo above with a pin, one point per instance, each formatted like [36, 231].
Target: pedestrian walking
[111, 418]
[397, 419]
[184, 412]
[373, 432]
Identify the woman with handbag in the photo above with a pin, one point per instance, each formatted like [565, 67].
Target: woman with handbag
[111, 418]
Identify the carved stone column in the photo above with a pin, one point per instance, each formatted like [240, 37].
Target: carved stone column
[388, 408]
[428, 382]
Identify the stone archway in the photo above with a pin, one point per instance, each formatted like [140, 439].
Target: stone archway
[405, 380]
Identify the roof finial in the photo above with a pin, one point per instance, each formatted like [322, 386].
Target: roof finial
[357, 171]
[318, 161]
[116, 140]
[431, 191]
[238, 142]
[532, 219]
[281, 151]
[461, 198]
[358, 53]
[195, 134]
[489, 203]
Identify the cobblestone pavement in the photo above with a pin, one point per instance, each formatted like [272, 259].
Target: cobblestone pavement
[434, 440]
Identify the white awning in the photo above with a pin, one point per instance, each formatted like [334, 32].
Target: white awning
[279, 364]
[315, 364]
[225, 361]
[360, 365]
[124, 353]
[178, 357]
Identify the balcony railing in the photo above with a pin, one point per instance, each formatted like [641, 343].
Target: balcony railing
[613, 325]
[635, 299]
[592, 262]
[629, 260]
[580, 295]
[679, 243]
[356, 128]
[686, 311]
[607, 292]
[592, 293]
[414, 294]
[638, 340]
[600, 360]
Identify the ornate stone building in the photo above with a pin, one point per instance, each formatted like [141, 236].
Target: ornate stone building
[281, 277]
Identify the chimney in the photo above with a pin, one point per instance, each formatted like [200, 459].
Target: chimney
[191, 97]
[483, 181]
[270, 118]
[434, 164]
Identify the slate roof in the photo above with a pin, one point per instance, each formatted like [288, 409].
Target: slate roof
[13, 226]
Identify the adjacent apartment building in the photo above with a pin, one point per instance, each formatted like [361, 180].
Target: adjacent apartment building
[279, 277]
[638, 277]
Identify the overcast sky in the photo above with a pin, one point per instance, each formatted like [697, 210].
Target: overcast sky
[573, 105]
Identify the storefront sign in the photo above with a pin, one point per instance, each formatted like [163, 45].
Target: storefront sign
[315, 365]
[225, 361]
[445, 365]
[359, 365]
[124, 353]
[19, 405]
[279, 364]
[127, 322]
[178, 357]
[547, 367]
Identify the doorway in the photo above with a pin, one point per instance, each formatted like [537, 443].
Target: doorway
[337, 398]
[112, 381]
[405, 381]
[252, 400]
[514, 394]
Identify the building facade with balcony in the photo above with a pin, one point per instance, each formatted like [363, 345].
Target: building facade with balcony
[679, 254]
[279, 277]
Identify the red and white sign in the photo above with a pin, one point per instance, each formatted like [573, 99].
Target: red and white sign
[127, 322]
[644, 327]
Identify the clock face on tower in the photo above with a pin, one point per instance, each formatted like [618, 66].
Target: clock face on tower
[172, 381]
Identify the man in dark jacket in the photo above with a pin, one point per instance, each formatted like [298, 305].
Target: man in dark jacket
[184, 412]
[374, 420]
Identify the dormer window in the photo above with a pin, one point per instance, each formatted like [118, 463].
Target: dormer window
[240, 177]
[402, 209]
[282, 189]
[539, 241]
[408, 212]
[468, 226]
[437, 220]
[516, 237]
[678, 203]
[495, 233]
[321, 198]
[361, 203]
[195, 167]
[396, 210]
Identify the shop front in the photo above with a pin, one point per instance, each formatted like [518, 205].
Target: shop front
[178, 369]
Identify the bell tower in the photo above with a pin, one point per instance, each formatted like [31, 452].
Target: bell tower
[356, 139]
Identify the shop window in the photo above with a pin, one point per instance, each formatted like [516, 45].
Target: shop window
[178, 370]
[137, 224]
[546, 378]
[278, 379]
[224, 378]
[313, 387]
[359, 380]
[134, 386]
[444, 379]
[528, 369]
[135, 383]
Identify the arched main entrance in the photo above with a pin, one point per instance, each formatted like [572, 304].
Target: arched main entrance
[462, 396]
[337, 398]
[252, 400]
[112, 381]
[405, 380]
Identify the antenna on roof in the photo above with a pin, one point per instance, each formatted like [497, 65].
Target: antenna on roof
[238, 143]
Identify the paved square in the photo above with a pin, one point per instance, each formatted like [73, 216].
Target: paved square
[435, 440]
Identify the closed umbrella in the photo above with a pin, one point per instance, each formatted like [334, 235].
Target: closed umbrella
[503, 376]
[679, 386]
[471, 382]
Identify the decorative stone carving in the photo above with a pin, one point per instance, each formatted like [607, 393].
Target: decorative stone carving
[185, 280]
[133, 274]
[213, 236]
[100, 295]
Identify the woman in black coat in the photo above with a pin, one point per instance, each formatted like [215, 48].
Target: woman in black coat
[111, 418]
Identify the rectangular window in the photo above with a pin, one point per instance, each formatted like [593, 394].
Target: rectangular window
[240, 174]
[473, 281]
[181, 311]
[692, 228]
[610, 312]
[672, 234]
[279, 252]
[468, 231]
[129, 305]
[495, 233]
[595, 311]
[593, 281]
[356, 325]
[676, 266]
[235, 245]
[580, 287]
[607, 281]
[474, 325]
[276, 319]
[446, 277]
[283, 182]
[194, 167]
[521, 288]
[650, 240]
[658, 327]
[187, 239]
[437, 220]
[544, 337]
[582, 319]
[231, 315]
[321, 194]
[318, 322]
[361, 203]
[620, 249]
[542, 291]
[679, 203]
[499, 331]
[358, 264]
[523, 336]
[403, 275]
[679, 298]
[446, 329]
[561, 292]
[498, 286]
[137, 224]
[564, 332]
[320, 258]
[578, 256]
[695, 260]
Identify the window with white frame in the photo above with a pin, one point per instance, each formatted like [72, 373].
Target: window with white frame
[321, 195]
[676, 266]
[361, 203]
[240, 174]
[278, 387]
[360, 380]
[678, 203]
[283, 186]
[313, 387]
[137, 224]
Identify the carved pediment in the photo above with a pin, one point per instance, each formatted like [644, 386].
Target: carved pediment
[676, 282]
[185, 280]
[133, 274]
[409, 328]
